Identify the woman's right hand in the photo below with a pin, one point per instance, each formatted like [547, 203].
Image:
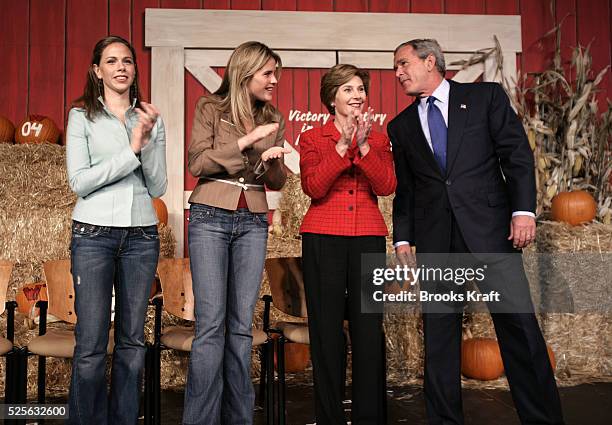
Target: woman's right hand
[255, 135]
[346, 135]
[147, 117]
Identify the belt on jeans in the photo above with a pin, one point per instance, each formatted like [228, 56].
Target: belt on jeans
[245, 186]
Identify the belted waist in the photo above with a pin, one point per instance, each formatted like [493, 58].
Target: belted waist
[237, 182]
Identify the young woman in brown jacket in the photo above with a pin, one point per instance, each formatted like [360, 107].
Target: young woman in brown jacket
[236, 149]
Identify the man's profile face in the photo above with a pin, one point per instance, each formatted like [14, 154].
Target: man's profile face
[412, 72]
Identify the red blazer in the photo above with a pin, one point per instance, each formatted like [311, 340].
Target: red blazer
[344, 190]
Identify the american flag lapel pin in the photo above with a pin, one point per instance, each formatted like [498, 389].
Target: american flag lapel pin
[463, 106]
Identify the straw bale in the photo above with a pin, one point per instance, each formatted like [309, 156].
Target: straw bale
[35, 209]
[582, 342]
[34, 176]
[555, 237]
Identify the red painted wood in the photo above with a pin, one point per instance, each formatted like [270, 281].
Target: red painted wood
[536, 20]
[427, 6]
[388, 99]
[82, 34]
[351, 6]
[374, 96]
[315, 5]
[46, 79]
[393, 6]
[506, 7]
[465, 6]
[284, 98]
[314, 87]
[279, 5]
[119, 15]
[138, 41]
[245, 4]
[565, 14]
[180, 4]
[593, 24]
[300, 100]
[215, 4]
[14, 49]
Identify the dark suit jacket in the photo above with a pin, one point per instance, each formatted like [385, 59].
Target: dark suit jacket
[490, 173]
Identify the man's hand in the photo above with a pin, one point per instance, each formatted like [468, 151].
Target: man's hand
[405, 256]
[522, 231]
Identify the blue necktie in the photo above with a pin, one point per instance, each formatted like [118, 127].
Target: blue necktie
[437, 132]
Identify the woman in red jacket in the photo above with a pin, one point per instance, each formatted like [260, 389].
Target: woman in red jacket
[344, 167]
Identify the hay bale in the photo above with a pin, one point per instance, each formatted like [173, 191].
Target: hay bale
[34, 176]
[581, 341]
[35, 226]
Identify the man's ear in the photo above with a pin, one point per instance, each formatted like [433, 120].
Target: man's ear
[430, 62]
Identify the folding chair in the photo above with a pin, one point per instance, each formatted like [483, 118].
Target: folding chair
[176, 283]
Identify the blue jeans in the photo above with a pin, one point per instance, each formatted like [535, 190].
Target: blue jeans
[227, 250]
[103, 256]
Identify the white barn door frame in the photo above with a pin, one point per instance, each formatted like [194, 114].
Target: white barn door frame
[200, 39]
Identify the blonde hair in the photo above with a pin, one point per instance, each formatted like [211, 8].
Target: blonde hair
[233, 94]
[335, 77]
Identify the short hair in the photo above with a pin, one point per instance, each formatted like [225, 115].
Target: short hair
[423, 47]
[336, 76]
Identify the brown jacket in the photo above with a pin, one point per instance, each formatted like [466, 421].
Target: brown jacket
[214, 153]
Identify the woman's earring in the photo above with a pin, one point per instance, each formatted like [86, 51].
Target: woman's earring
[100, 86]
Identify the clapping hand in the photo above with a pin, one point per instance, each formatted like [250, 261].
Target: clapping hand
[147, 117]
[274, 152]
[347, 133]
[364, 126]
[255, 135]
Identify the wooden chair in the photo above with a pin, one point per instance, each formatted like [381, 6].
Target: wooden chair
[56, 342]
[176, 283]
[287, 289]
[7, 348]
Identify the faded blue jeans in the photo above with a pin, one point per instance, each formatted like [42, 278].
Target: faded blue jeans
[227, 250]
[101, 256]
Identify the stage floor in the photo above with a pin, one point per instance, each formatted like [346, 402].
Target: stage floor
[587, 404]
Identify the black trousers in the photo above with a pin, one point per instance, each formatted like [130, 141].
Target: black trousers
[333, 282]
[530, 376]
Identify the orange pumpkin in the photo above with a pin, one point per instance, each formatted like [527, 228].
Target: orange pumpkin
[573, 207]
[28, 295]
[7, 130]
[37, 129]
[297, 356]
[160, 210]
[481, 359]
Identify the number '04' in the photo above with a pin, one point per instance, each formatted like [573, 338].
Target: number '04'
[28, 127]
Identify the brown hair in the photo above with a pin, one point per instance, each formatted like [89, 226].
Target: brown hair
[93, 87]
[335, 77]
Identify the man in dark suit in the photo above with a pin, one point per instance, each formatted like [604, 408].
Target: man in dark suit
[466, 186]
